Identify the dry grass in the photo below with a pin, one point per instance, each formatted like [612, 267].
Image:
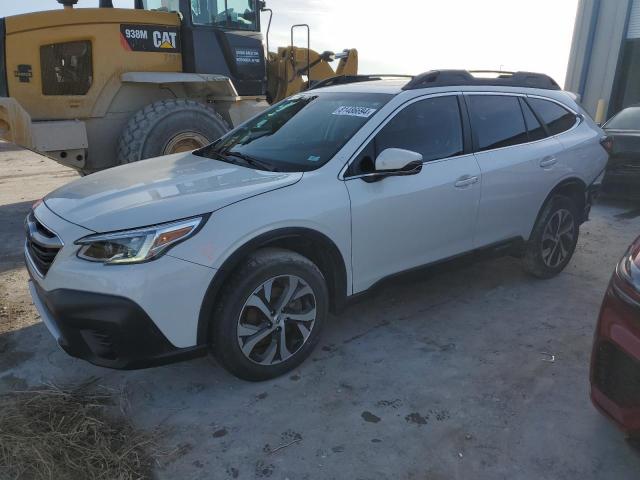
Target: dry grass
[57, 433]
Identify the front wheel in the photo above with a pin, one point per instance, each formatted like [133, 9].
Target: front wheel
[270, 315]
[554, 238]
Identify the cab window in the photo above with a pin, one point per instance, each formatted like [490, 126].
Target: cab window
[67, 68]
[162, 5]
[229, 14]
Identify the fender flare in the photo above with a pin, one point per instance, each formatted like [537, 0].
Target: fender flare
[564, 184]
[327, 257]
[196, 84]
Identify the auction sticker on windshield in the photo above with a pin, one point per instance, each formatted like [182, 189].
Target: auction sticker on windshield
[364, 112]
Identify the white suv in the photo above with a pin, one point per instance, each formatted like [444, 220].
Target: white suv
[243, 247]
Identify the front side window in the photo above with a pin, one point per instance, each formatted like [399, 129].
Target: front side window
[67, 68]
[230, 14]
[556, 118]
[162, 5]
[430, 127]
[496, 121]
[300, 133]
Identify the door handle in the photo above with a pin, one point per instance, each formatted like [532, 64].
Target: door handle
[465, 181]
[548, 161]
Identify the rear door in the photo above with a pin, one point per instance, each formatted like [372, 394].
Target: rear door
[518, 164]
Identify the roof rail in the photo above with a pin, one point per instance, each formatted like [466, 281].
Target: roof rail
[446, 78]
[345, 79]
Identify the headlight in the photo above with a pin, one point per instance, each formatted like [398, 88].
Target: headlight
[135, 246]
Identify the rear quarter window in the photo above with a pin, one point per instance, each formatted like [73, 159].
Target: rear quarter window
[557, 119]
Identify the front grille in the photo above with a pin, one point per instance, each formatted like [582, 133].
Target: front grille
[42, 244]
[617, 375]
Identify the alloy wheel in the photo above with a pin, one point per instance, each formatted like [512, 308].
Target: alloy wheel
[276, 320]
[558, 238]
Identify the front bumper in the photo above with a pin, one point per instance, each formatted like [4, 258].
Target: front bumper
[615, 361]
[106, 330]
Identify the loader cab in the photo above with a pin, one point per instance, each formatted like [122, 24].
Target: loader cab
[221, 37]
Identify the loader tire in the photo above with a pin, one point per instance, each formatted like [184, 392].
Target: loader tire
[169, 126]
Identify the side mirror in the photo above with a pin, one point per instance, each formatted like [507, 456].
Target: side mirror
[393, 162]
[397, 159]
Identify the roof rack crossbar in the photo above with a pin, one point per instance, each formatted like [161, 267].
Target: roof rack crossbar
[447, 78]
[346, 79]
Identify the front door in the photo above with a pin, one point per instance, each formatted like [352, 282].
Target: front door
[406, 221]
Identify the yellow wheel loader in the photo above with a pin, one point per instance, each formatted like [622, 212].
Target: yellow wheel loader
[97, 87]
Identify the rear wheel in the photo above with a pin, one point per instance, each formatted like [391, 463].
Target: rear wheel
[169, 126]
[270, 315]
[554, 238]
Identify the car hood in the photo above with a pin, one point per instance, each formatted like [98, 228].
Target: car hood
[159, 190]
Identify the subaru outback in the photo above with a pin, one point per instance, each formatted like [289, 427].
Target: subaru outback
[243, 247]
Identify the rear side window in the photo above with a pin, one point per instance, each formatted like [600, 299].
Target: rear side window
[496, 121]
[536, 131]
[431, 127]
[67, 68]
[556, 118]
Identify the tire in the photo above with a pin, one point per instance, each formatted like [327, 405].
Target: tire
[243, 335]
[169, 126]
[552, 244]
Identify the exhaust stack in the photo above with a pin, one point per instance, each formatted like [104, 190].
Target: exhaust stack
[68, 4]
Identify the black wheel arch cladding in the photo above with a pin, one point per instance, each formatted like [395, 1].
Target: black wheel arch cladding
[309, 243]
[569, 187]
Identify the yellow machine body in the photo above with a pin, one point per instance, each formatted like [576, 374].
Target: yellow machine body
[26, 34]
[84, 127]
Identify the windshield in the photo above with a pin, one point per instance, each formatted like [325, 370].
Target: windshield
[231, 14]
[627, 119]
[299, 134]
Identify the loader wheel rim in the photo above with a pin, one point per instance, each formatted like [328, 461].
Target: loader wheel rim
[185, 142]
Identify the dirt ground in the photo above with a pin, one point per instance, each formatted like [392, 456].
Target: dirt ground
[442, 375]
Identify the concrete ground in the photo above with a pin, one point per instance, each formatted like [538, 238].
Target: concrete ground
[443, 375]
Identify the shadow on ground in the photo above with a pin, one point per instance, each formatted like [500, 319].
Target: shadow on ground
[12, 233]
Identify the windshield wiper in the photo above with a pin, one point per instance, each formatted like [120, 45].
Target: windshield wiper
[254, 162]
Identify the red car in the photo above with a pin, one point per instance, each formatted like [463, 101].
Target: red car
[615, 360]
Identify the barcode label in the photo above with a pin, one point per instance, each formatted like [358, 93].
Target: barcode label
[355, 111]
